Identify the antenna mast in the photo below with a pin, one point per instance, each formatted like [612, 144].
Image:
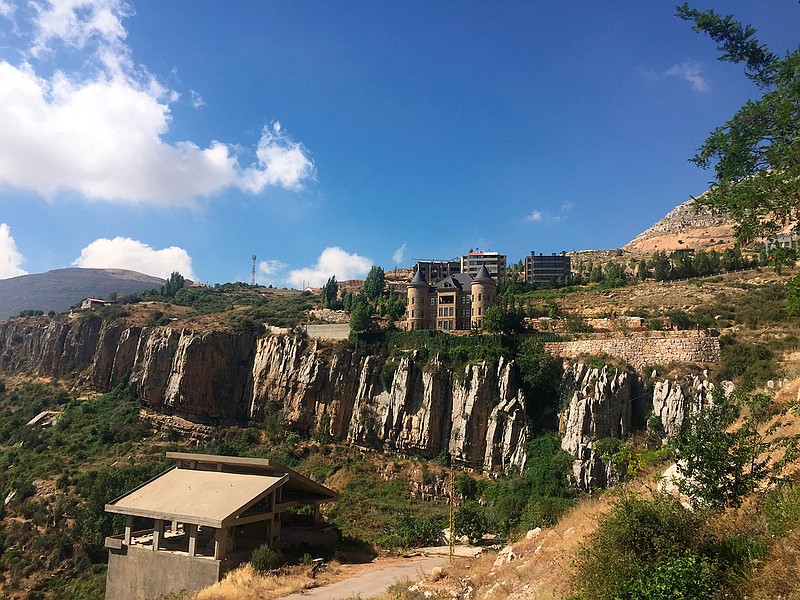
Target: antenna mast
[253, 272]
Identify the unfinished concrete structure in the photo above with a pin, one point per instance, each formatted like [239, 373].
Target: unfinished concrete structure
[208, 514]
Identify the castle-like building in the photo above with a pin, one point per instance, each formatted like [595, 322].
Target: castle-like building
[457, 302]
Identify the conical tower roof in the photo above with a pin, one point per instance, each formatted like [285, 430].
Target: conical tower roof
[483, 276]
[418, 280]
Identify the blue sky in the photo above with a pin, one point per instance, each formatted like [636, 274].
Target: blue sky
[324, 137]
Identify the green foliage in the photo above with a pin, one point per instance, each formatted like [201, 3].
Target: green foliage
[387, 373]
[539, 370]
[173, 285]
[330, 293]
[719, 466]
[537, 496]
[750, 364]
[266, 559]
[780, 257]
[157, 318]
[687, 577]
[782, 509]
[755, 153]
[633, 542]
[415, 531]
[503, 320]
[374, 283]
[793, 297]
[471, 520]
[361, 317]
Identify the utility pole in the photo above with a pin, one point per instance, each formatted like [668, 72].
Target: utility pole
[452, 511]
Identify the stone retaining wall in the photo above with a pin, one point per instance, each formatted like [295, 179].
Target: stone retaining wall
[642, 350]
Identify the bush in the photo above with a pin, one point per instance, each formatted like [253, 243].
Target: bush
[687, 577]
[782, 509]
[471, 520]
[633, 540]
[266, 559]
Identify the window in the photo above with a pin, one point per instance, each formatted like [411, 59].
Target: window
[413, 299]
[480, 311]
[452, 311]
[433, 314]
[480, 297]
[433, 301]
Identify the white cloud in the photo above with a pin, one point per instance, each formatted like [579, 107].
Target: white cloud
[332, 261]
[197, 99]
[10, 258]
[6, 8]
[125, 253]
[690, 71]
[270, 267]
[104, 136]
[535, 216]
[399, 254]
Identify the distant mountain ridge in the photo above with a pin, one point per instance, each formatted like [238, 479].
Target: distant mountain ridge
[61, 288]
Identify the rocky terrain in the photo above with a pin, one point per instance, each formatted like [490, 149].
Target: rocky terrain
[685, 228]
[479, 415]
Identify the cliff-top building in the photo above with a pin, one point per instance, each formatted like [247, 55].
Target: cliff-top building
[494, 262]
[457, 302]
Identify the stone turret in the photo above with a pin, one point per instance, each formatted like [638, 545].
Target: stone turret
[484, 295]
[418, 302]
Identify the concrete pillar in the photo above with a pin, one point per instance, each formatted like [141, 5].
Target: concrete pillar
[220, 543]
[158, 533]
[174, 527]
[317, 516]
[192, 539]
[128, 529]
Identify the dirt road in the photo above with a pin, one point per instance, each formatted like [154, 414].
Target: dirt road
[373, 583]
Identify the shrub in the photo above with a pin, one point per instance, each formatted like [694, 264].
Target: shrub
[471, 520]
[782, 509]
[631, 541]
[266, 559]
[687, 577]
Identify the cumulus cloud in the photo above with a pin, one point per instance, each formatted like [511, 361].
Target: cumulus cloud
[270, 267]
[690, 71]
[399, 254]
[332, 261]
[10, 258]
[6, 8]
[104, 136]
[125, 253]
[535, 216]
[563, 213]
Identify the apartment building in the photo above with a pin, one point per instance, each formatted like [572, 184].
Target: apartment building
[494, 262]
[546, 268]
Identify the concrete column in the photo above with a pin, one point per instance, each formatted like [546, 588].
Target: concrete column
[316, 514]
[220, 543]
[174, 527]
[271, 523]
[128, 529]
[192, 539]
[158, 533]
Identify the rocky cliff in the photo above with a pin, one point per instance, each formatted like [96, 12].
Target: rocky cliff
[479, 414]
[609, 402]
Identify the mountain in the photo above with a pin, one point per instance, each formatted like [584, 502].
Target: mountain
[684, 228]
[61, 288]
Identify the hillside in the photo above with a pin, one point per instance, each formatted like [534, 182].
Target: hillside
[684, 228]
[61, 288]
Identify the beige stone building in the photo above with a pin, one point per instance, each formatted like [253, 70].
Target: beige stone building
[458, 302]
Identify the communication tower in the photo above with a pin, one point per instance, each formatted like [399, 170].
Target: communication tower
[253, 272]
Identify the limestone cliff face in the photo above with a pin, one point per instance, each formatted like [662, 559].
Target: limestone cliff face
[479, 416]
[609, 402]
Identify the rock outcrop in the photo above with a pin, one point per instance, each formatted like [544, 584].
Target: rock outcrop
[479, 414]
[608, 402]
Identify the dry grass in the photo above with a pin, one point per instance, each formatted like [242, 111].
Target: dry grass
[779, 577]
[245, 583]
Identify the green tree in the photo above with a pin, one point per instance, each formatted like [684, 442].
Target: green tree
[642, 272]
[661, 266]
[330, 293]
[505, 320]
[780, 257]
[173, 285]
[373, 284]
[615, 275]
[755, 154]
[719, 466]
[538, 369]
[360, 316]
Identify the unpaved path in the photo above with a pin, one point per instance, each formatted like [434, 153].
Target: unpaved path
[373, 583]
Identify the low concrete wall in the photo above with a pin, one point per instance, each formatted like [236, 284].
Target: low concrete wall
[330, 331]
[141, 574]
[641, 350]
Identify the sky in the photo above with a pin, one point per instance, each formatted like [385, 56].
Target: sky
[327, 136]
